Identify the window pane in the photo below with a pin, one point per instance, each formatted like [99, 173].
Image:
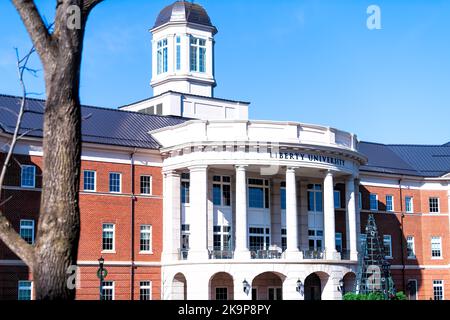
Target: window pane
[217, 195]
[24, 290]
[256, 197]
[283, 198]
[28, 174]
[114, 182]
[146, 185]
[226, 195]
[89, 180]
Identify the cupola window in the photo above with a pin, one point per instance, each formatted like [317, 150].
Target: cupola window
[162, 56]
[198, 54]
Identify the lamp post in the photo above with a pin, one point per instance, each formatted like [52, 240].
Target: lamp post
[341, 287]
[299, 286]
[101, 274]
[246, 286]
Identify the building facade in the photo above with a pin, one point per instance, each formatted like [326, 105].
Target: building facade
[185, 197]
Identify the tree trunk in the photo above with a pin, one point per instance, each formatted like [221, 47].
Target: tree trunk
[59, 223]
[58, 233]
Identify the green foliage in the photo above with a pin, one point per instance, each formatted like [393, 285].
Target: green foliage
[400, 296]
[372, 296]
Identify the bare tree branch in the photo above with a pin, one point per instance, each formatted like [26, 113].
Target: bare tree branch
[38, 31]
[7, 233]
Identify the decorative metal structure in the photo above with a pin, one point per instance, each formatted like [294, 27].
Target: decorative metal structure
[374, 274]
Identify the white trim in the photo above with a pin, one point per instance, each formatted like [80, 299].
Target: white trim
[27, 227]
[31, 288]
[120, 182]
[25, 166]
[95, 181]
[150, 286]
[442, 285]
[141, 232]
[151, 185]
[113, 250]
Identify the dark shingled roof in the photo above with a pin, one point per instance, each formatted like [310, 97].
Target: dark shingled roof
[415, 160]
[130, 129]
[188, 11]
[100, 125]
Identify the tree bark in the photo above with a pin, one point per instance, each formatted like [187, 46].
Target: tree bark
[56, 246]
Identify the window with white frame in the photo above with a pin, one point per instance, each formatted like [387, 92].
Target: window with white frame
[410, 247]
[258, 193]
[108, 237]
[185, 186]
[28, 176]
[25, 290]
[337, 199]
[283, 195]
[315, 198]
[315, 240]
[221, 293]
[115, 182]
[389, 203]
[145, 290]
[108, 290]
[434, 204]
[162, 60]
[146, 185]
[373, 202]
[338, 241]
[145, 244]
[198, 54]
[436, 247]
[27, 230]
[259, 238]
[438, 289]
[409, 204]
[222, 238]
[89, 178]
[222, 191]
[387, 242]
[178, 52]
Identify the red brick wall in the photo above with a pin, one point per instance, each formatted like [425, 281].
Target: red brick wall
[420, 224]
[95, 208]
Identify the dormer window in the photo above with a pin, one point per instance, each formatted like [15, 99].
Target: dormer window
[162, 56]
[198, 54]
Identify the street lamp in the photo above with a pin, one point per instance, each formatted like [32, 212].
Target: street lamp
[299, 286]
[246, 286]
[101, 274]
[341, 286]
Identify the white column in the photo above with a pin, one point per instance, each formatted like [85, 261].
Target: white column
[198, 249]
[329, 223]
[351, 218]
[292, 251]
[241, 249]
[171, 215]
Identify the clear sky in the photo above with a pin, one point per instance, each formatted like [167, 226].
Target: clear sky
[310, 61]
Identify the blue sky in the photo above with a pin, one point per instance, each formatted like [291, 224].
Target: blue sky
[311, 61]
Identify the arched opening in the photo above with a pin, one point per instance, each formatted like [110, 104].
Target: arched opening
[267, 286]
[313, 287]
[179, 287]
[221, 287]
[349, 283]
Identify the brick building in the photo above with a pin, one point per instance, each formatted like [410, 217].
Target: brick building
[185, 197]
